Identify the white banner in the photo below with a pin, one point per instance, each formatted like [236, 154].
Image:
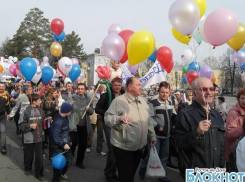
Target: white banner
[155, 75]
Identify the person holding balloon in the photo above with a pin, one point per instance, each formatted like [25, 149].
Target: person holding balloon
[61, 141]
[116, 71]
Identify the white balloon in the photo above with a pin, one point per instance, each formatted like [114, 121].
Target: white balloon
[65, 65]
[43, 64]
[36, 60]
[188, 56]
[37, 75]
[200, 28]
[11, 62]
[10, 58]
[15, 59]
[67, 80]
[6, 69]
[54, 72]
[115, 29]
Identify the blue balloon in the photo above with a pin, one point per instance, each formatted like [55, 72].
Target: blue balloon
[194, 66]
[153, 56]
[75, 72]
[184, 80]
[60, 37]
[197, 36]
[242, 67]
[47, 74]
[28, 68]
[59, 161]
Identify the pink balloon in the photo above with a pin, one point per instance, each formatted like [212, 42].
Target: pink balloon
[115, 28]
[239, 57]
[113, 47]
[13, 69]
[74, 61]
[45, 59]
[18, 73]
[81, 77]
[220, 26]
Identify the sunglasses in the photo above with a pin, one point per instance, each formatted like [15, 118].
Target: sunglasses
[204, 89]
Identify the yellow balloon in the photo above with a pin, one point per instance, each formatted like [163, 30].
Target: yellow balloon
[202, 5]
[238, 40]
[140, 47]
[1, 68]
[56, 49]
[181, 37]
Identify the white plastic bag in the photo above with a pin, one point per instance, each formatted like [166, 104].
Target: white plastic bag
[154, 166]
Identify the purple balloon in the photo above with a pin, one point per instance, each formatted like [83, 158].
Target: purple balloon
[113, 47]
[239, 58]
[115, 29]
[13, 69]
[206, 71]
[132, 69]
[74, 61]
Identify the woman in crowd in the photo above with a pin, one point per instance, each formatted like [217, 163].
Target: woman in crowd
[222, 107]
[234, 124]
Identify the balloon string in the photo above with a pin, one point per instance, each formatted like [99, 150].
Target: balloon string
[59, 153]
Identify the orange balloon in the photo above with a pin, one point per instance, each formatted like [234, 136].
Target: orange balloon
[213, 79]
[1, 68]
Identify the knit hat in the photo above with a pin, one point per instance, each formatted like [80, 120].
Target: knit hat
[65, 107]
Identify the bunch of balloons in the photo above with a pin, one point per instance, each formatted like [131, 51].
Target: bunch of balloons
[57, 26]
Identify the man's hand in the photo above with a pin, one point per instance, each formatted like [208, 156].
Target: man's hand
[203, 126]
[66, 147]
[50, 119]
[8, 117]
[33, 126]
[125, 119]
[87, 108]
[153, 143]
[161, 129]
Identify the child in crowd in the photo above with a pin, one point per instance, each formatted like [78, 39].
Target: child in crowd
[32, 126]
[61, 139]
[116, 71]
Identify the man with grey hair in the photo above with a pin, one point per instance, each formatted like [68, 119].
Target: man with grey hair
[199, 131]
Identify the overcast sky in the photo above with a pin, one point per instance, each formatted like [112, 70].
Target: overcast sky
[91, 19]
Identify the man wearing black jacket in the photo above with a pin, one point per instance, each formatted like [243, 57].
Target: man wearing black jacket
[4, 107]
[101, 108]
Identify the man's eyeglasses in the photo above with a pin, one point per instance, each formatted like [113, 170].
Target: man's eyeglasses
[204, 89]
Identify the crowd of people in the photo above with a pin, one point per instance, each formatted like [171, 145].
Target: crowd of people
[193, 125]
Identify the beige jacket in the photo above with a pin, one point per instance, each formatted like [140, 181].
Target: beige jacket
[133, 136]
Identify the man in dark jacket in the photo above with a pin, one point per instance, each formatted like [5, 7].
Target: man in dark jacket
[4, 107]
[67, 94]
[101, 108]
[61, 139]
[199, 131]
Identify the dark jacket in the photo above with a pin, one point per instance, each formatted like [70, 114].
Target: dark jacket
[205, 151]
[32, 115]
[64, 94]
[103, 103]
[60, 133]
[50, 111]
[4, 103]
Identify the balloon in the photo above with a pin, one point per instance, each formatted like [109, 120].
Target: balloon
[75, 72]
[36, 60]
[67, 80]
[74, 61]
[185, 69]
[194, 66]
[113, 47]
[57, 26]
[1, 68]
[200, 29]
[15, 59]
[45, 59]
[239, 57]
[60, 37]
[47, 74]
[59, 161]
[170, 66]
[7, 69]
[184, 16]
[18, 73]
[164, 56]
[125, 35]
[132, 69]
[188, 56]
[13, 69]
[242, 67]
[184, 39]
[10, 58]
[43, 64]
[28, 68]
[18, 65]
[153, 56]
[104, 72]
[65, 65]
[202, 5]
[191, 76]
[54, 71]
[81, 77]
[37, 75]
[238, 40]
[56, 49]
[115, 29]
[206, 71]
[213, 79]
[197, 36]
[220, 26]
[184, 80]
[141, 45]
[10, 61]
[60, 70]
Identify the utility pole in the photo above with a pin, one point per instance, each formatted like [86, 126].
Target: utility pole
[176, 79]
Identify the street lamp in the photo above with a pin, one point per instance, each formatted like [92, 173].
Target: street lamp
[176, 79]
